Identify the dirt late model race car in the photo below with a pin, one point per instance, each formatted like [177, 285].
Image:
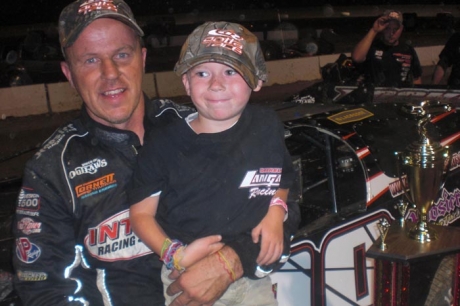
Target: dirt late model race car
[350, 179]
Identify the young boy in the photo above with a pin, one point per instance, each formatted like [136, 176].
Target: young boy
[222, 173]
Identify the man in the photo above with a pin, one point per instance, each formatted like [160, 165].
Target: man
[386, 61]
[449, 57]
[74, 242]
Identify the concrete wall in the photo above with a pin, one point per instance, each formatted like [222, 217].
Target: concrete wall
[60, 97]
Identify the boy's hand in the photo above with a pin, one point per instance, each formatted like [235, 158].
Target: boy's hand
[199, 249]
[271, 230]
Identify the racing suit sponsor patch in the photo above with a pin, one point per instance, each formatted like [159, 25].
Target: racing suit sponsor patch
[31, 276]
[28, 201]
[89, 167]
[96, 186]
[29, 226]
[113, 239]
[26, 251]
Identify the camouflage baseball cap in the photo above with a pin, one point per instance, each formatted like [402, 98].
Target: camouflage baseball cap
[79, 14]
[394, 15]
[227, 43]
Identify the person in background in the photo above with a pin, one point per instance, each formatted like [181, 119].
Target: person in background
[449, 57]
[208, 175]
[384, 59]
[74, 241]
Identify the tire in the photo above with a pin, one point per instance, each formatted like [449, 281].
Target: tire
[440, 292]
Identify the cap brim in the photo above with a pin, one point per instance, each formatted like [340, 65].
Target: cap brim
[249, 76]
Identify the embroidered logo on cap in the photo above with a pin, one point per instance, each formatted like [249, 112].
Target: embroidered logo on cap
[93, 5]
[227, 39]
[394, 15]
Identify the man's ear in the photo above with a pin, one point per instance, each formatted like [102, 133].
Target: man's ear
[144, 57]
[66, 70]
[260, 83]
[186, 83]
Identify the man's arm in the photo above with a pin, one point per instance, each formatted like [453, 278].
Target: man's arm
[359, 53]
[418, 81]
[438, 74]
[206, 281]
[46, 251]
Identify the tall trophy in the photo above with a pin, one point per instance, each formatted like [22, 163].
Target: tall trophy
[425, 164]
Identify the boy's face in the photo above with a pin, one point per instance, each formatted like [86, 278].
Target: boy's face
[218, 91]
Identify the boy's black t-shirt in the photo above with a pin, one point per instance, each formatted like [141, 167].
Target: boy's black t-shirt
[219, 183]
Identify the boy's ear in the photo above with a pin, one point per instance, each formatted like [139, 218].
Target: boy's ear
[260, 83]
[186, 83]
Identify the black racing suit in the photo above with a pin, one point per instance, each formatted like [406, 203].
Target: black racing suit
[74, 242]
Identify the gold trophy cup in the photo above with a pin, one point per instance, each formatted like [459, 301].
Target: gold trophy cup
[424, 163]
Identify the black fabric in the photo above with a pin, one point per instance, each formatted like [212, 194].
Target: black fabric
[200, 178]
[392, 66]
[450, 57]
[75, 241]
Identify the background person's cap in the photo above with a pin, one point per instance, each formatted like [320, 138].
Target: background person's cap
[227, 43]
[79, 14]
[394, 15]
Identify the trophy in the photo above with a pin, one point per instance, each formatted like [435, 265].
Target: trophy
[425, 164]
[383, 226]
[402, 208]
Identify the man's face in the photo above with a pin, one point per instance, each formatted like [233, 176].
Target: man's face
[218, 91]
[105, 65]
[391, 33]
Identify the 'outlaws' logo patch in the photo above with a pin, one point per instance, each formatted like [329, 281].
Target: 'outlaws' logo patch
[113, 239]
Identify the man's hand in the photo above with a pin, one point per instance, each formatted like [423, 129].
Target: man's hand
[206, 281]
[380, 24]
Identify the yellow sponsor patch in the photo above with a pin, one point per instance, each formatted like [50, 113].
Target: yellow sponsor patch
[350, 116]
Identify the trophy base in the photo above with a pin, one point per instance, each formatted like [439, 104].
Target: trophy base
[421, 233]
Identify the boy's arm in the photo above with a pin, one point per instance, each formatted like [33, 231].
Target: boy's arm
[270, 229]
[142, 216]
[172, 253]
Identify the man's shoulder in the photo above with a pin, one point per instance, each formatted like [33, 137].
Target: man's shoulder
[161, 107]
[55, 144]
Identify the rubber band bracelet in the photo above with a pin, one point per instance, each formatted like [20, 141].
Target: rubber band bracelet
[279, 202]
[169, 248]
[226, 265]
